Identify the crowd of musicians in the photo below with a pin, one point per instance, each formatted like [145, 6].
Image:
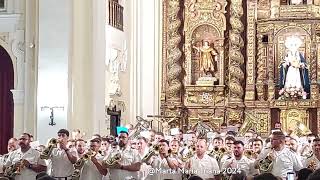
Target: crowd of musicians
[155, 156]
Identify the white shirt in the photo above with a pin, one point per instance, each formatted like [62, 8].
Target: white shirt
[90, 171]
[207, 167]
[32, 156]
[60, 164]
[3, 159]
[245, 164]
[284, 161]
[128, 157]
[162, 169]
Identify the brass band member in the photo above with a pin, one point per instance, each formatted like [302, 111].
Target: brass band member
[92, 169]
[105, 146]
[27, 159]
[202, 164]
[239, 162]
[142, 146]
[12, 146]
[313, 161]
[284, 160]
[129, 164]
[257, 145]
[167, 165]
[80, 147]
[62, 158]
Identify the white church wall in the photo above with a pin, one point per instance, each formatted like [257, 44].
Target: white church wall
[117, 47]
[54, 38]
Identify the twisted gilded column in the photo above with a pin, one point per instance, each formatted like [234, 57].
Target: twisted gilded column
[236, 74]
[261, 72]
[174, 53]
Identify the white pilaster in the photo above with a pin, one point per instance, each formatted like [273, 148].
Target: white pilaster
[98, 60]
[18, 99]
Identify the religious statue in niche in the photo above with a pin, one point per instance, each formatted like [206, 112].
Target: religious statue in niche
[117, 62]
[294, 78]
[208, 56]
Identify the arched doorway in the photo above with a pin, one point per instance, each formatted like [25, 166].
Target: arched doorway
[6, 99]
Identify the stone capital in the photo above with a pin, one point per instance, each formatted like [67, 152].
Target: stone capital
[18, 96]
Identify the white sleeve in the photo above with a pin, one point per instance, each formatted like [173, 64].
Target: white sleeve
[297, 164]
[215, 166]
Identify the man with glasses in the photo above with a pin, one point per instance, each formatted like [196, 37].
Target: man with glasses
[62, 158]
[284, 159]
[92, 168]
[130, 161]
[27, 158]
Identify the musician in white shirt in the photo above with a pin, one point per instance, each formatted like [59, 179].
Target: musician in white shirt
[313, 161]
[284, 159]
[62, 158]
[165, 167]
[92, 169]
[130, 161]
[239, 162]
[12, 146]
[80, 147]
[27, 158]
[202, 164]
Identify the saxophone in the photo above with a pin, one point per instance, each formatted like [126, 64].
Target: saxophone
[112, 160]
[265, 165]
[152, 151]
[45, 154]
[78, 166]
[14, 170]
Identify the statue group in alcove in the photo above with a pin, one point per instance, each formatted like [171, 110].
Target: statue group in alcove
[294, 76]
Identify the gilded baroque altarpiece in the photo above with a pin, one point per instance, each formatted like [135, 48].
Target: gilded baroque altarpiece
[222, 63]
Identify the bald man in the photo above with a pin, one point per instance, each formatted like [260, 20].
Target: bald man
[202, 164]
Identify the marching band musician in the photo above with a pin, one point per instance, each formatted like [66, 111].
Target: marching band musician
[129, 164]
[257, 145]
[62, 158]
[142, 146]
[202, 164]
[284, 159]
[167, 165]
[92, 169]
[26, 158]
[12, 146]
[313, 161]
[143, 149]
[80, 147]
[105, 146]
[239, 162]
[229, 141]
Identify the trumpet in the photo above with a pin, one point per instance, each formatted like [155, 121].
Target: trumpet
[218, 153]
[14, 169]
[249, 153]
[112, 161]
[45, 154]
[152, 151]
[78, 166]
